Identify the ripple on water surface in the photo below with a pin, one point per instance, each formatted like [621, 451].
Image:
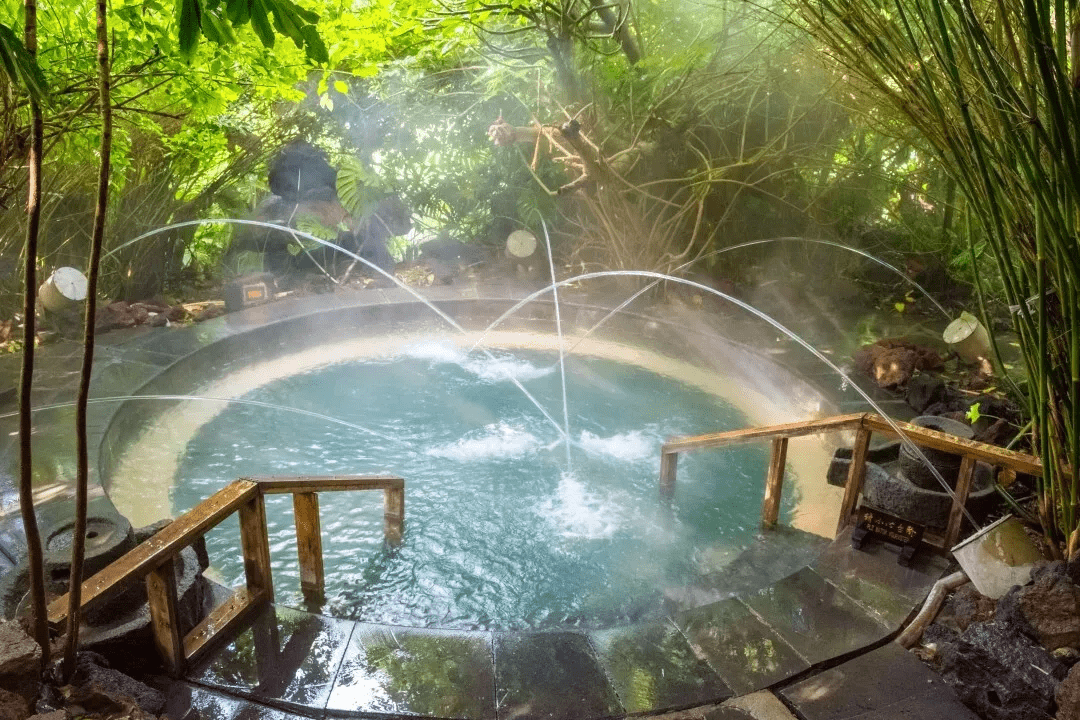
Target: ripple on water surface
[499, 532]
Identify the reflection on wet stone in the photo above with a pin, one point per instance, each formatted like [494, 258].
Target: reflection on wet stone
[653, 668]
[747, 654]
[284, 656]
[410, 671]
[189, 702]
[818, 620]
[550, 675]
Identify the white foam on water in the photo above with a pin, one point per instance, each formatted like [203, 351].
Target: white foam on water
[633, 446]
[578, 514]
[497, 368]
[496, 441]
[436, 352]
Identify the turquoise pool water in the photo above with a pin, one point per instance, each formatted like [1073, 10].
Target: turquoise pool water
[499, 531]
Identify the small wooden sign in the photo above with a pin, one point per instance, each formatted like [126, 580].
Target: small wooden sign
[882, 525]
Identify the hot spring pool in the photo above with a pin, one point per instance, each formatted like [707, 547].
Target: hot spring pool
[501, 530]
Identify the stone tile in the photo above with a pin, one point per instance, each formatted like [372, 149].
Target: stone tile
[553, 675]
[121, 378]
[742, 650]
[653, 668]
[283, 656]
[815, 618]
[762, 705]
[190, 702]
[411, 671]
[874, 577]
[885, 683]
[725, 712]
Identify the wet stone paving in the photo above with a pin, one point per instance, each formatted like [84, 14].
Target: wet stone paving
[290, 661]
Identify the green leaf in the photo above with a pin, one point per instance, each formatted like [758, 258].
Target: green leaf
[341, 86]
[20, 66]
[973, 413]
[899, 306]
[314, 46]
[238, 11]
[190, 23]
[217, 30]
[260, 23]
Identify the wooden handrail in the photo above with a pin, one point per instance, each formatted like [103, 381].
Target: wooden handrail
[767, 432]
[154, 560]
[163, 546]
[865, 424]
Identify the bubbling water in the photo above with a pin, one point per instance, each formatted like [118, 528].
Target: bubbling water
[499, 532]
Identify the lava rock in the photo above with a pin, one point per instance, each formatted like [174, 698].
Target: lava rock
[20, 661]
[891, 362]
[966, 606]
[94, 670]
[1068, 696]
[1051, 606]
[1008, 612]
[13, 706]
[926, 390]
[939, 634]
[52, 715]
[1002, 674]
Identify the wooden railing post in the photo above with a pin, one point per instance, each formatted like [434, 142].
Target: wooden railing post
[393, 514]
[774, 485]
[856, 473]
[963, 488]
[669, 465]
[164, 618]
[309, 545]
[256, 548]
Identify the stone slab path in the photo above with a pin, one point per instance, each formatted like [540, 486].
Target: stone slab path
[841, 605]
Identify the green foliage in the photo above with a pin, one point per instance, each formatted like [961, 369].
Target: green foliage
[990, 88]
[20, 68]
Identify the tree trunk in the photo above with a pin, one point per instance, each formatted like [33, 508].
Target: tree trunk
[26, 474]
[78, 540]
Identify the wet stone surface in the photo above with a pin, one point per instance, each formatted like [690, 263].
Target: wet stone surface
[742, 650]
[406, 671]
[887, 683]
[550, 675]
[653, 667]
[283, 657]
[190, 702]
[815, 618]
[873, 577]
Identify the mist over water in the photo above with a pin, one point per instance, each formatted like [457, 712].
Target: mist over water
[498, 533]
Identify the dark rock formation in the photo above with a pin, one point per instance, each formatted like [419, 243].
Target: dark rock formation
[1068, 696]
[892, 362]
[925, 390]
[966, 606]
[20, 662]
[1051, 607]
[1002, 674]
[93, 669]
[13, 706]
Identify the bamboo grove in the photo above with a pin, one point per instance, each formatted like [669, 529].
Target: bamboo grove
[992, 86]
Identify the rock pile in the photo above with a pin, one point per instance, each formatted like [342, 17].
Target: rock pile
[1016, 659]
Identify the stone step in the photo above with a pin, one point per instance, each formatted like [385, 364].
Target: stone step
[843, 602]
[772, 556]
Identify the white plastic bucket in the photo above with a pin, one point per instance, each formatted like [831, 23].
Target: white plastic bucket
[968, 337]
[65, 286]
[998, 556]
